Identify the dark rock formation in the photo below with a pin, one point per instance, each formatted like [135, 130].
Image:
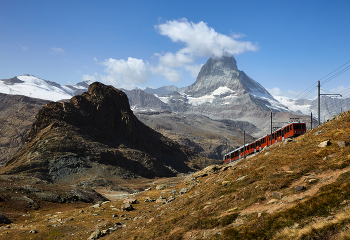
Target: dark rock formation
[17, 114]
[96, 135]
[4, 220]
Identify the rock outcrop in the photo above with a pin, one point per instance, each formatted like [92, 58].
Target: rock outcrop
[17, 114]
[96, 136]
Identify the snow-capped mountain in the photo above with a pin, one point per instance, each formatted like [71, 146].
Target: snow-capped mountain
[31, 86]
[223, 91]
[329, 106]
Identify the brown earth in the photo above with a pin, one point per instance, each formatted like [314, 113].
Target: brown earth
[253, 198]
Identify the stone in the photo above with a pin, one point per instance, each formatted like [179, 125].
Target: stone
[131, 201]
[126, 207]
[96, 235]
[174, 192]
[183, 191]
[329, 218]
[324, 144]
[162, 199]
[148, 199]
[312, 180]
[170, 199]
[277, 194]
[97, 205]
[299, 188]
[272, 201]
[224, 183]
[241, 178]
[4, 220]
[342, 144]
[162, 186]
[318, 133]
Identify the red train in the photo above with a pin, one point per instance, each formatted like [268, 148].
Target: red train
[289, 131]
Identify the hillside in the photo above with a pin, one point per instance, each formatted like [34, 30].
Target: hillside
[296, 189]
[93, 138]
[17, 114]
[211, 138]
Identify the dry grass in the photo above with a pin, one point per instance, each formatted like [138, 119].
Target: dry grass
[233, 204]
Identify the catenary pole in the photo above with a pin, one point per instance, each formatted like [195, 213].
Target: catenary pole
[244, 143]
[311, 122]
[318, 103]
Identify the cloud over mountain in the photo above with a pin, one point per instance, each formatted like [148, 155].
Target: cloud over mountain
[199, 41]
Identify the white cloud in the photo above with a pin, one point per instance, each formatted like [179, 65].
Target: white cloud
[23, 47]
[341, 90]
[194, 69]
[86, 77]
[170, 74]
[200, 41]
[125, 74]
[278, 92]
[57, 50]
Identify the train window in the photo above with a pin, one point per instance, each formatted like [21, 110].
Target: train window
[297, 126]
[303, 126]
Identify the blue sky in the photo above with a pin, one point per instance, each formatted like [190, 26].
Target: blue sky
[284, 45]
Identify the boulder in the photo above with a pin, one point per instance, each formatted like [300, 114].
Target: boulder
[131, 201]
[277, 194]
[324, 144]
[127, 207]
[299, 188]
[342, 144]
[4, 219]
[162, 186]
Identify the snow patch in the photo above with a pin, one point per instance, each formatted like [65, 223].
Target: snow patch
[38, 88]
[222, 90]
[291, 104]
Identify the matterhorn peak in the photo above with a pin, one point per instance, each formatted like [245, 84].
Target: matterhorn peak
[218, 66]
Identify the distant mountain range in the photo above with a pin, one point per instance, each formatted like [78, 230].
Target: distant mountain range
[220, 91]
[31, 86]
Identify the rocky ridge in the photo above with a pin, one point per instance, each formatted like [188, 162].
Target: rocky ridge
[17, 114]
[94, 139]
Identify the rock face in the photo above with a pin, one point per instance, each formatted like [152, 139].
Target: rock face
[232, 88]
[222, 91]
[96, 136]
[142, 101]
[17, 114]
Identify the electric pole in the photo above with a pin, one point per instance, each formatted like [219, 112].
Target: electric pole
[319, 105]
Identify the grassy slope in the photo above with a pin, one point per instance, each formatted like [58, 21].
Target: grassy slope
[253, 199]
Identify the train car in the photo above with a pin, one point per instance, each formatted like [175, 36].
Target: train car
[291, 130]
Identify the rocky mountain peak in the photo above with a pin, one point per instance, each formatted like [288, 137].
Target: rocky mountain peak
[223, 72]
[96, 134]
[218, 66]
